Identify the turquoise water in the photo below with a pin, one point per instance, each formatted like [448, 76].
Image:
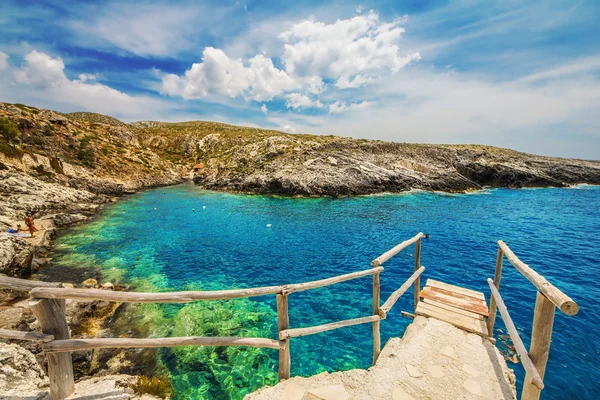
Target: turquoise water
[186, 238]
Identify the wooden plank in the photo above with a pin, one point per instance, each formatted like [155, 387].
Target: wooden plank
[296, 332]
[417, 291]
[389, 303]
[558, 298]
[539, 350]
[63, 346]
[188, 296]
[283, 323]
[24, 285]
[376, 328]
[464, 302]
[453, 309]
[51, 317]
[532, 372]
[299, 287]
[497, 278]
[395, 250]
[455, 289]
[468, 324]
[18, 335]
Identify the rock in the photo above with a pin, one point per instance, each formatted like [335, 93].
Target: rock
[107, 286]
[436, 371]
[470, 370]
[449, 351]
[473, 387]
[293, 391]
[21, 377]
[336, 392]
[400, 394]
[68, 285]
[413, 371]
[88, 283]
[15, 256]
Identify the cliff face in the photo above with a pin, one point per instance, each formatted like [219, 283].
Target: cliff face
[100, 154]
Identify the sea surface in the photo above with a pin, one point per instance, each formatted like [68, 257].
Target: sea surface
[182, 237]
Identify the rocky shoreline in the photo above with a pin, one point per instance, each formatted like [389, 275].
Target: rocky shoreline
[65, 168]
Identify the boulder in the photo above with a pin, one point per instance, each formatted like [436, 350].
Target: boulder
[21, 377]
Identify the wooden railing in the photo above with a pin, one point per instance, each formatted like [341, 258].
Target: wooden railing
[48, 306]
[547, 300]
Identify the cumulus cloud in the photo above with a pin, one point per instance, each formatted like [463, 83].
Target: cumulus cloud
[264, 108]
[219, 74]
[340, 107]
[3, 60]
[47, 76]
[351, 53]
[299, 101]
[287, 128]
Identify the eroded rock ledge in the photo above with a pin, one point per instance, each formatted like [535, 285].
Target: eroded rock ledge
[434, 360]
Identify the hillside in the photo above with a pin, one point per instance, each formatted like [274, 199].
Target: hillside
[104, 153]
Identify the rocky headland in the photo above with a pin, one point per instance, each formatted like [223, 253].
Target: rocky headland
[65, 167]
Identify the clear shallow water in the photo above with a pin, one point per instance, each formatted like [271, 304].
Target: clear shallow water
[156, 241]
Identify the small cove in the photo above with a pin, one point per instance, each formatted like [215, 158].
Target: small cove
[182, 237]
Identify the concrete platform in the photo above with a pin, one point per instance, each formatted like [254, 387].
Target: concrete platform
[434, 360]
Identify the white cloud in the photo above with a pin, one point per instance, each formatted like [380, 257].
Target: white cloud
[287, 128]
[340, 107]
[3, 60]
[352, 52]
[146, 29]
[264, 108]
[360, 48]
[299, 101]
[222, 75]
[47, 78]
[41, 70]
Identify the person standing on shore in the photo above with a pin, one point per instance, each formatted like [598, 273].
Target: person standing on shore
[30, 224]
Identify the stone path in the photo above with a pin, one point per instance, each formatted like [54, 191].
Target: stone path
[434, 360]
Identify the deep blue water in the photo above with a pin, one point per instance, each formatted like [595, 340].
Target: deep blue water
[183, 237]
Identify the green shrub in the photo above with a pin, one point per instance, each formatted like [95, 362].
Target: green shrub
[10, 151]
[86, 152]
[159, 386]
[8, 129]
[48, 130]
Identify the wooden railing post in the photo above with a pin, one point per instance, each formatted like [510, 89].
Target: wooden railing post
[51, 315]
[376, 324]
[283, 323]
[541, 335]
[497, 276]
[418, 280]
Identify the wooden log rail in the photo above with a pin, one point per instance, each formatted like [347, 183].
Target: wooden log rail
[389, 303]
[548, 299]
[48, 305]
[536, 379]
[377, 289]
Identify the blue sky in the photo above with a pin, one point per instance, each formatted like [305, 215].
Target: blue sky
[524, 75]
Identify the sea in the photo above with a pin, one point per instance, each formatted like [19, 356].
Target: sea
[186, 238]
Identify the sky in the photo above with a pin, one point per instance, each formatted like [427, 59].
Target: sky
[516, 74]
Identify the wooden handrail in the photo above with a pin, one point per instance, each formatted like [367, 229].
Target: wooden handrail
[188, 296]
[300, 287]
[66, 346]
[557, 297]
[389, 303]
[19, 335]
[516, 339]
[145, 297]
[296, 332]
[24, 285]
[395, 250]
